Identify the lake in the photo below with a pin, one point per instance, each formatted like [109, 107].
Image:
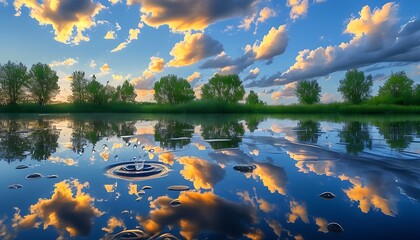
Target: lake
[116, 176]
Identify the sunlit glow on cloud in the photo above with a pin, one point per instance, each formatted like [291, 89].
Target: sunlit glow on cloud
[110, 35]
[67, 62]
[297, 211]
[298, 9]
[322, 224]
[273, 177]
[202, 173]
[194, 76]
[67, 161]
[156, 64]
[68, 18]
[68, 212]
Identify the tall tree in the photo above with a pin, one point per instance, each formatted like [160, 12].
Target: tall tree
[43, 83]
[308, 92]
[397, 89]
[78, 87]
[95, 92]
[355, 87]
[125, 93]
[253, 99]
[13, 78]
[225, 88]
[172, 89]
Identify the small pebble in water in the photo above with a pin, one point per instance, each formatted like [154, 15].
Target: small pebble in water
[244, 168]
[335, 227]
[151, 150]
[15, 186]
[22, 166]
[175, 203]
[52, 176]
[178, 188]
[146, 187]
[327, 195]
[34, 176]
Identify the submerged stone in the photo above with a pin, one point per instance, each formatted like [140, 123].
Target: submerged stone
[15, 186]
[245, 168]
[178, 188]
[34, 176]
[130, 234]
[175, 203]
[22, 166]
[335, 227]
[146, 187]
[327, 195]
[52, 176]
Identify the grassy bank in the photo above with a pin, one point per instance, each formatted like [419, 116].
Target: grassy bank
[212, 107]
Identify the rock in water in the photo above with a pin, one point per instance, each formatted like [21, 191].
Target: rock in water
[15, 186]
[335, 227]
[178, 188]
[34, 176]
[146, 187]
[52, 176]
[175, 203]
[22, 166]
[327, 195]
[130, 234]
[167, 236]
[244, 168]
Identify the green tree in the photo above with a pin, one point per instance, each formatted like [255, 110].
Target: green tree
[417, 94]
[97, 93]
[43, 83]
[397, 89]
[78, 87]
[13, 78]
[253, 99]
[125, 93]
[355, 87]
[225, 88]
[172, 89]
[308, 92]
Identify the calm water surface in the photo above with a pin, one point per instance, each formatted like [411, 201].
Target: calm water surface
[94, 169]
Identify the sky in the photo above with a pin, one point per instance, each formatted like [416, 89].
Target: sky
[270, 44]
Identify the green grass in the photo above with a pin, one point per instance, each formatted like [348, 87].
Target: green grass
[212, 107]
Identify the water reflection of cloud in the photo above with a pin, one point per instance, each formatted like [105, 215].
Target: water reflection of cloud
[67, 161]
[322, 224]
[167, 158]
[297, 211]
[273, 177]
[112, 224]
[276, 226]
[318, 167]
[67, 212]
[200, 212]
[263, 204]
[202, 173]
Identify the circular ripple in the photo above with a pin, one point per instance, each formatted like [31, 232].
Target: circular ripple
[133, 172]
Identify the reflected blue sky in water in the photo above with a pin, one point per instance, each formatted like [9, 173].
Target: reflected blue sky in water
[372, 166]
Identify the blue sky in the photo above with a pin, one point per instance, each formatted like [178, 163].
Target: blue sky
[270, 44]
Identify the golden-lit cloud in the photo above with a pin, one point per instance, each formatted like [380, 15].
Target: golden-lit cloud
[256, 234]
[194, 76]
[67, 62]
[109, 188]
[167, 158]
[287, 91]
[276, 226]
[265, 206]
[273, 44]
[194, 48]
[67, 161]
[200, 146]
[110, 35]
[253, 73]
[113, 223]
[203, 174]
[210, 213]
[299, 8]
[105, 68]
[114, 2]
[322, 224]
[120, 47]
[297, 211]
[156, 64]
[318, 167]
[132, 35]
[247, 22]
[189, 15]
[104, 155]
[273, 177]
[265, 14]
[69, 19]
[68, 212]
[369, 197]
[117, 77]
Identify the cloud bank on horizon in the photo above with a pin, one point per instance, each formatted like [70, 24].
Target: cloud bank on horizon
[271, 45]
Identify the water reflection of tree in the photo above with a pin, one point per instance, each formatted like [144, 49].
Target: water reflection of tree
[253, 121]
[356, 137]
[93, 131]
[173, 134]
[13, 141]
[398, 135]
[43, 140]
[232, 130]
[307, 131]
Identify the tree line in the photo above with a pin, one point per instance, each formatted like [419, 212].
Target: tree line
[39, 84]
[356, 88]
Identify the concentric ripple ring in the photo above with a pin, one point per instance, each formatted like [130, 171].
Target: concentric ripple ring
[133, 172]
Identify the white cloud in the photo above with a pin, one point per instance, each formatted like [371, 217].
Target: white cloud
[67, 62]
[273, 44]
[194, 76]
[92, 64]
[287, 91]
[114, 2]
[132, 35]
[253, 73]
